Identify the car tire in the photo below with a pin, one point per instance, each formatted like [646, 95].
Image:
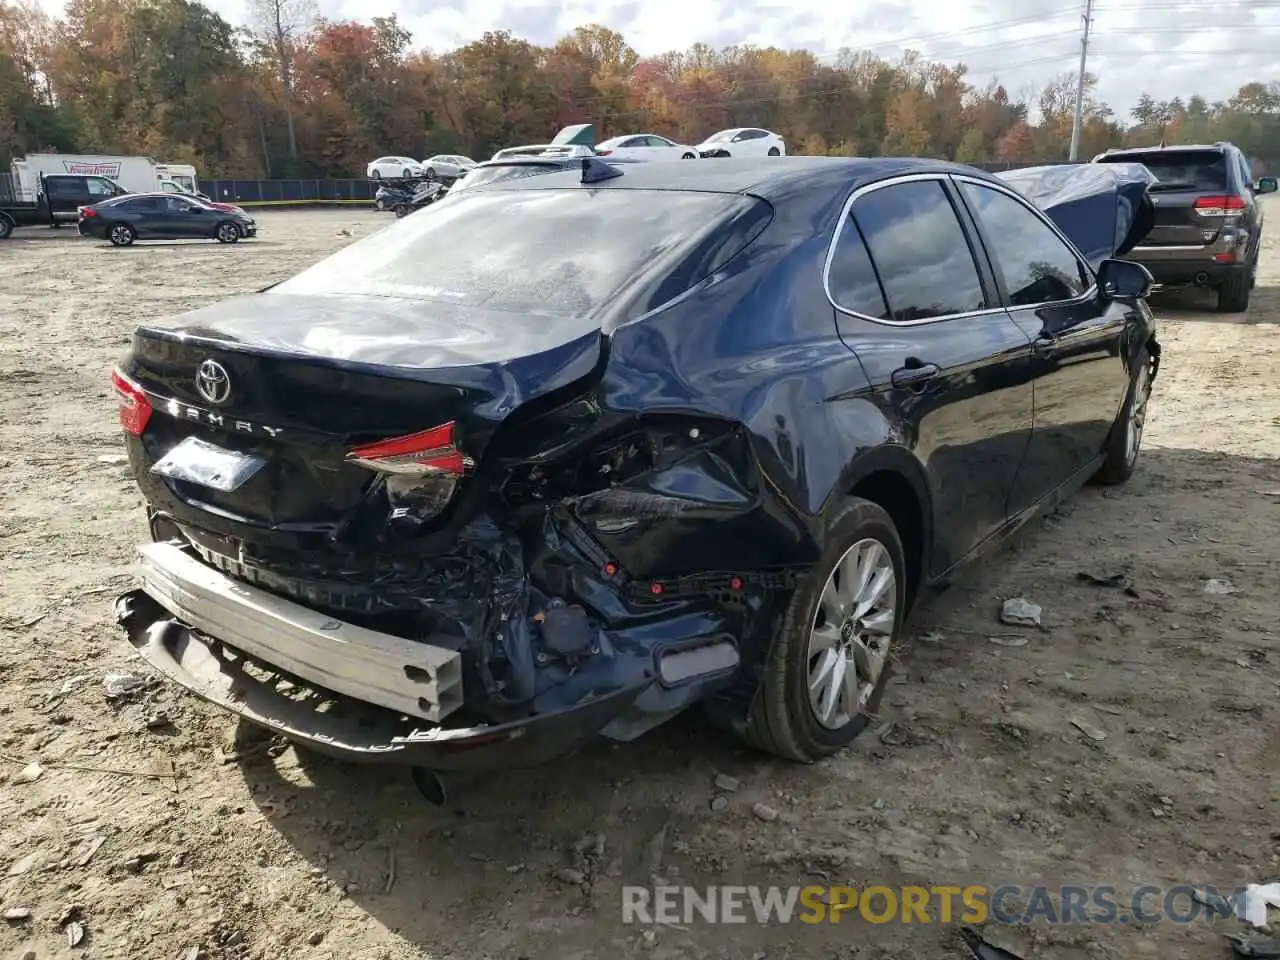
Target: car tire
[401, 210]
[1233, 295]
[121, 235]
[775, 152]
[429, 173]
[6, 227]
[376, 175]
[406, 174]
[689, 156]
[862, 565]
[1125, 439]
[227, 232]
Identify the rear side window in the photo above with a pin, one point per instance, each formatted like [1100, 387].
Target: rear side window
[1180, 169]
[65, 187]
[919, 250]
[851, 278]
[545, 252]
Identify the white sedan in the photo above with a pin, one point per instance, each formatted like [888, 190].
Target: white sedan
[449, 166]
[645, 146]
[392, 167]
[743, 142]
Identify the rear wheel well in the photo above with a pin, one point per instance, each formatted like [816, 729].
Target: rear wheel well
[893, 493]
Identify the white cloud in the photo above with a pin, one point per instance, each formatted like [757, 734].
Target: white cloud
[1166, 48]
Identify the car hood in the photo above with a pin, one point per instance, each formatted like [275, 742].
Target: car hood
[1104, 209]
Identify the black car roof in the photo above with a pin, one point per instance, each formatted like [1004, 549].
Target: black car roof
[765, 177]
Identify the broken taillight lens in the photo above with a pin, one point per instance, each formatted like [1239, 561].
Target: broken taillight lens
[422, 469]
[135, 408]
[418, 454]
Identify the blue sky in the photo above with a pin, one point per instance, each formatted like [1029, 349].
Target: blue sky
[1165, 47]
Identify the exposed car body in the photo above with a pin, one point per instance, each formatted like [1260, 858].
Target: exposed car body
[446, 166]
[426, 194]
[573, 479]
[164, 216]
[389, 195]
[743, 142]
[1208, 218]
[645, 146]
[387, 168]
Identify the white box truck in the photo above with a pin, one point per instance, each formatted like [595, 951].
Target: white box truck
[134, 174]
[182, 174]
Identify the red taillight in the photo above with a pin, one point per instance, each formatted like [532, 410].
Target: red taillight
[430, 451]
[603, 153]
[1218, 206]
[135, 408]
[88, 212]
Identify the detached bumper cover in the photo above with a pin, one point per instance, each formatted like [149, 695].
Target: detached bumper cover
[356, 731]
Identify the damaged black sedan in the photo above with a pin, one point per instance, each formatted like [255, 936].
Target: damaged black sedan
[565, 455]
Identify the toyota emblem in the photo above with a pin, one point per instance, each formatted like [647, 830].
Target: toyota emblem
[212, 382]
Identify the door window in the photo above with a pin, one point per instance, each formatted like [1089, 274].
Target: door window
[920, 251]
[99, 188]
[1037, 266]
[65, 188]
[851, 278]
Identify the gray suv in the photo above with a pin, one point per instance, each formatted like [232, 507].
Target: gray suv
[1208, 219]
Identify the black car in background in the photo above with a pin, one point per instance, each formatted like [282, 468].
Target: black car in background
[164, 216]
[640, 438]
[1208, 219]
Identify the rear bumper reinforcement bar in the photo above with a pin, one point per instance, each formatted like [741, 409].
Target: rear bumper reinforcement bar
[216, 672]
[416, 679]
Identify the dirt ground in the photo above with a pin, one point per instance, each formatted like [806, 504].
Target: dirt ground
[193, 838]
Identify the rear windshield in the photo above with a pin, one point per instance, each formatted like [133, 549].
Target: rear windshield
[478, 178]
[1180, 169]
[549, 252]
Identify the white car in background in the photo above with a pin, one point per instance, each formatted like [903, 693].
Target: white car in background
[743, 142]
[645, 146]
[449, 166]
[392, 167]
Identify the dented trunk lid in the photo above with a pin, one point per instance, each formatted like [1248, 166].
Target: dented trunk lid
[307, 378]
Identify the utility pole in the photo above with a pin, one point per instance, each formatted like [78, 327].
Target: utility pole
[1084, 59]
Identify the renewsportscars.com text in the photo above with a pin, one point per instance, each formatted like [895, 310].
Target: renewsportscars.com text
[972, 904]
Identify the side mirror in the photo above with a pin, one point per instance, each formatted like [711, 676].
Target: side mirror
[1124, 280]
[1266, 185]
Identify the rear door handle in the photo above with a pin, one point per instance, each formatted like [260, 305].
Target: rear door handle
[914, 376]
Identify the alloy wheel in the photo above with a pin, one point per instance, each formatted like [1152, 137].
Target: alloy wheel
[1137, 413]
[851, 632]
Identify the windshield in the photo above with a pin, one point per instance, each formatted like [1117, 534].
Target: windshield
[1180, 169]
[549, 252]
[722, 135]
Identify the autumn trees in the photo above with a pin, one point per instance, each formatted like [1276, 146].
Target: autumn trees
[292, 94]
